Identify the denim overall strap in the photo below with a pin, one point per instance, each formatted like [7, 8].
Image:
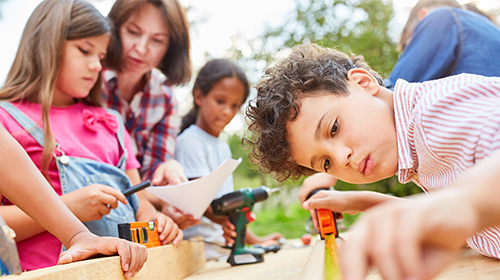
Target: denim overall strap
[121, 140]
[24, 121]
[76, 173]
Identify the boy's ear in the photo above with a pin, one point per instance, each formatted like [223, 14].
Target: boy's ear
[197, 96]
[364, 79]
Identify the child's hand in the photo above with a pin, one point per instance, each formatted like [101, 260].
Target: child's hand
[170, 172]
[182, 220]
[316, 181]
[336, 201]
[412, 239]
[85, 245]
[168, 230]
[93, 202]
[229, 232]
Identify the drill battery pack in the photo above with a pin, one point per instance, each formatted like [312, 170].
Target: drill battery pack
[145, 233]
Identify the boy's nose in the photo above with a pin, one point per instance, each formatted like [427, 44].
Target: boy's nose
[342, 156]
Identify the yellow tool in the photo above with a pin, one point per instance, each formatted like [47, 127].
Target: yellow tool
[327, 223]
[332, 265]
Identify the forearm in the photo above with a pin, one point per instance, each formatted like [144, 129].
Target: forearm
[24, 185]
[22, 224]
[153, 199]
[146, 210]
[363, 200]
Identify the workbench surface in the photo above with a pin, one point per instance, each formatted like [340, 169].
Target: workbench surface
[290, 263]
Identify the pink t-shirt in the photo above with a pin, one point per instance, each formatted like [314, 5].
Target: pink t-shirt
[82, 131]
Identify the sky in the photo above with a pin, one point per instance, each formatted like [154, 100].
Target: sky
[216, 22]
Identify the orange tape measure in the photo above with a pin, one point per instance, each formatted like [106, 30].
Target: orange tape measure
[145, 233]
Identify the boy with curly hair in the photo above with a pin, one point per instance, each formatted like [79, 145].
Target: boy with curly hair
[320, 110]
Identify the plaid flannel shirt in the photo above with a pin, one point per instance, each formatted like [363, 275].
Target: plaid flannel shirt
[151, 118]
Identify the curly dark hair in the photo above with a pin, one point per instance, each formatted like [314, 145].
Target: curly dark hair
[307, 71]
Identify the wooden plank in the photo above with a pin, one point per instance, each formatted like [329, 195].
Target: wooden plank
[468, 265]
[288, 263]
[164, 262]
[315, 266]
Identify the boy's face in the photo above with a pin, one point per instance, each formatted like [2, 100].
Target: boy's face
[351, 137]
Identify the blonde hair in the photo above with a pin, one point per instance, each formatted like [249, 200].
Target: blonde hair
[34, 72]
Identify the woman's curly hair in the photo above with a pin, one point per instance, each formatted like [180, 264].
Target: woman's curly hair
[307, 70]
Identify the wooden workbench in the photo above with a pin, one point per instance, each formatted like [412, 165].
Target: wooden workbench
[169, 262]
[306, 263]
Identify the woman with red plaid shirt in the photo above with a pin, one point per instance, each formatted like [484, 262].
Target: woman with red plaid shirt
[147, 56]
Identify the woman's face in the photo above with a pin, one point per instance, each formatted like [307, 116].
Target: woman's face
[145, 39]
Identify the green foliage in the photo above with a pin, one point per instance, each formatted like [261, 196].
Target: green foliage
[357, 26]
[248, 175]
[290, 221]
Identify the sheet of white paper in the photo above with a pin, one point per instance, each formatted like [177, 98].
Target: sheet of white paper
[195, 196]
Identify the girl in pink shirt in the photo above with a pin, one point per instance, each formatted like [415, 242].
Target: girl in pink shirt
[50, 107]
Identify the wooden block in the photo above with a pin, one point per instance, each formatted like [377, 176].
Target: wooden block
[164, 262]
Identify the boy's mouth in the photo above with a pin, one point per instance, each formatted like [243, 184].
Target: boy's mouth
[366, 166]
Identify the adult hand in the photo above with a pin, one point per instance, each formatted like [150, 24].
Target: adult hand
[182, 220]
[170, 172]
[168, 229]
[411, 239]
[93, 202]
[85, 245]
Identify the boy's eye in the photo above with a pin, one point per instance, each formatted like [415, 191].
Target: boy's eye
[326, 164]
[220, 101]
[334, 129]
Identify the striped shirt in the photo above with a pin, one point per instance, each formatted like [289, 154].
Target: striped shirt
[444, 127]
[151, 118]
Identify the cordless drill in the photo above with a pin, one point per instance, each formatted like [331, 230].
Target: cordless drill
[238, 206]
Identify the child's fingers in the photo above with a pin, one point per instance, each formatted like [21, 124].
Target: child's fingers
[178, 238]
[133, 257]
[354, 255]
[228, 225]
[383, 252]
[170, 232]
[319, 203]
[115, 193]
[408, 245]
[229, 240]
[316, 181]
[102, 210]
[166, 228]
